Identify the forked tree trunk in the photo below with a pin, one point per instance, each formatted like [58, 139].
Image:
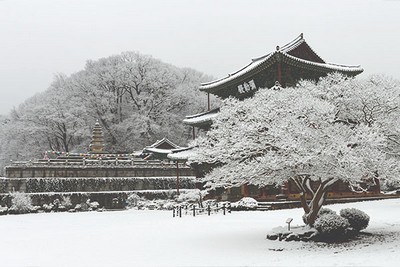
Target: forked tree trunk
[318, 196]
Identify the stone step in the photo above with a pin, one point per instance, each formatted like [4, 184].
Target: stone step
[264, 206]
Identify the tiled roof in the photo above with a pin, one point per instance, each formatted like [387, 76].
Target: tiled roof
[201, 118]
[181, 154]
[282, 54]
[164, 140]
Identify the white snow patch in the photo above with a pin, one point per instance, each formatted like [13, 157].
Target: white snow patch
[155, 238]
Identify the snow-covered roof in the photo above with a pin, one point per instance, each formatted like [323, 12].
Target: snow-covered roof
[327, 66]
[181, 154]
[204, 118]
[282, 54]
[137, 153]
[160, 142]
[157, 150]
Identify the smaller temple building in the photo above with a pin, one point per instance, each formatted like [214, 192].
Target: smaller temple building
[159, 150]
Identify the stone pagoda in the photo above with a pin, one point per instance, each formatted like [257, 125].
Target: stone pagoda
[97, 144]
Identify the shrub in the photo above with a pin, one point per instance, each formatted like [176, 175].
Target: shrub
[133, 200]
[3, 210]
[325, 211]
[246, 203]
[20, 202]
[48, 207]
[189, 196]
[322, 212]
[66, 202]
[357, 219]
[331, 226]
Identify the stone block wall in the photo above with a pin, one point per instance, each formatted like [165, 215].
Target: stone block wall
[45, 185]
[101, 171]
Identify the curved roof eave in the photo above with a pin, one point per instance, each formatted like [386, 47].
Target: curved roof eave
[251, 67]
[328, 67]
[201, 120]
[260, 63]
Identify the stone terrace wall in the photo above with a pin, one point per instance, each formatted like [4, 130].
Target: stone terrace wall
[100, 171]
[98, 180]
[44, 185]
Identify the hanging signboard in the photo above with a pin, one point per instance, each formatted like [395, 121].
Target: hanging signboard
[247, 87]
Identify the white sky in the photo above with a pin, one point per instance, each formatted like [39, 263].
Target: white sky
[39, 38]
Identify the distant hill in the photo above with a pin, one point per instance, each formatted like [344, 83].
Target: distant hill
[136, 98]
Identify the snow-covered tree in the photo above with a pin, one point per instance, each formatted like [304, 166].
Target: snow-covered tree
[338, 129]
[136, 98]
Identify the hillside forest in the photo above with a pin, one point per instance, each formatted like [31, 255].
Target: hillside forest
[136, 98]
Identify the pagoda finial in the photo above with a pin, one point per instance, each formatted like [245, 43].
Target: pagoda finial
[97, 143]
[301, 35]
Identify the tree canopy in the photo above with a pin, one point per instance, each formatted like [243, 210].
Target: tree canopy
[136, 98]
[337, 129]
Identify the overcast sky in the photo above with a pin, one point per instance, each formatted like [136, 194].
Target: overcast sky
[39, 38]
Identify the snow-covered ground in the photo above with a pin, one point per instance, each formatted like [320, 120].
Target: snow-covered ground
[155, 238]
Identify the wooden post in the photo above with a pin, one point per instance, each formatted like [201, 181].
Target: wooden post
[193, 133]
[279, 69]
[177, 177]
[209, 210]
[279, 73]
[208, 101]
[180, 211]
[194, 211]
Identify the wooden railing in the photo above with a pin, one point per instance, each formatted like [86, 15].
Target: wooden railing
[195, 210]
[96, 162]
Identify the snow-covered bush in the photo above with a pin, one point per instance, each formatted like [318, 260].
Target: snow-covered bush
[325, 211]
[246, 203]
[331, 226]
[3, 210]
[93, 205]
[133, 200]
[192, 196]
[322, 212]
[20, 202]
[189, 196]
[66, 202]
[390, 185]
[78, 207]
[48, 207]
[168, 205]
[357, 219]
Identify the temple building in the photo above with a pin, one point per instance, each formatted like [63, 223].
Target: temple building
[284, 67]
[159, 150]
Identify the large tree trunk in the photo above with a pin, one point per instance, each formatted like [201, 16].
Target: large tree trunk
[318, 196]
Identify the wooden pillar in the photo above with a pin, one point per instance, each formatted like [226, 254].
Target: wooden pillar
[279, 67]
[193, 133]
[279, 73]
[177, 177]
[208, 101]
